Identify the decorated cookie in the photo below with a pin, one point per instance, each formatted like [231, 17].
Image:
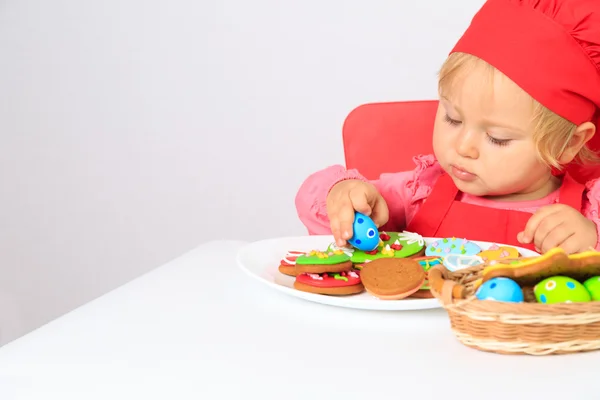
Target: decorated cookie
[496, 252]
[392, 278]
[561, 289]
[446, 246]
[426, 263]
[333, 259]
[336, 284]
[392, 245]
[287, 265]
[455, 262]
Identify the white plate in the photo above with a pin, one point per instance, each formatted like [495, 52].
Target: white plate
[261, 260]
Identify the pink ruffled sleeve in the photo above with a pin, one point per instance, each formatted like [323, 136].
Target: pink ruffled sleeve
[591, 207]
[402, 191]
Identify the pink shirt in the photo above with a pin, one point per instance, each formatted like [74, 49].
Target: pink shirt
[405, 192]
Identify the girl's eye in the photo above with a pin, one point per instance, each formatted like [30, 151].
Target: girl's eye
[498, 142]
[451, 121]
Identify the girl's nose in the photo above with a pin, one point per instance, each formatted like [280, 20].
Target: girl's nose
[466, 145]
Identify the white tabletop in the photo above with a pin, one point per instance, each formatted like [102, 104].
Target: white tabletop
[199, 328]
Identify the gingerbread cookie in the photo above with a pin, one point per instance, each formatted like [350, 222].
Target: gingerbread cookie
[336, 284]
[392, 278]
[287, 265]
[317, 262]
[529, 271]
[495, 253]
[392, 245]
[446, 246]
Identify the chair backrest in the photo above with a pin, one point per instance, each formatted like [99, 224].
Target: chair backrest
[372, 132]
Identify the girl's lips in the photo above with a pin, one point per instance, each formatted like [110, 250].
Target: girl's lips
[462, 174]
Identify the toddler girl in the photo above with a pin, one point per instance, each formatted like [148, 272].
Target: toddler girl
[519, 99]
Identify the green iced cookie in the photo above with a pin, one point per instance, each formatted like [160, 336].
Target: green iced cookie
[327, 257]
[392, 244]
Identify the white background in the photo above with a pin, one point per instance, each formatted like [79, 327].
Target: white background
[132, 131]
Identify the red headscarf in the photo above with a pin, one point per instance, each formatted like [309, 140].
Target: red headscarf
[551, 49]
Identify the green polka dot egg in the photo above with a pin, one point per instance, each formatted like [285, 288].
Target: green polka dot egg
[593, 287]
[561, 289]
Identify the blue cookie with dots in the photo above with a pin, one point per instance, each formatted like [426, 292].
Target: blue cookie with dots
[365, 236]
[446, 246]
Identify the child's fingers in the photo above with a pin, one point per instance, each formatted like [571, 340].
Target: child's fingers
[343, 206]
[531, 228]
[341, 222]
[571, 244]
[336, 230]
[551, 236]
[360, 201]
[550, 232]
[381, 212]
[346, 219]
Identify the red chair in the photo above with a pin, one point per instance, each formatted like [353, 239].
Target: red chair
[384, 137]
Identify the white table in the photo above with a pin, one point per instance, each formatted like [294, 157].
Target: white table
[199, 328]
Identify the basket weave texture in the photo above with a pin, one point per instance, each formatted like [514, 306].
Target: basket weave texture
[514, 328]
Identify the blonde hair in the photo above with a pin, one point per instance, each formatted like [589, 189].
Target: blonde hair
[551, 132]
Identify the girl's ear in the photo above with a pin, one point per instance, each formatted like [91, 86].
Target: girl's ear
[583, 133]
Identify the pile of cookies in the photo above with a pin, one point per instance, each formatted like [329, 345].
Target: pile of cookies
[396, 269]
[325, 272]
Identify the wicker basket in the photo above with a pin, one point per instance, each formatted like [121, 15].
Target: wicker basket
[514, 328]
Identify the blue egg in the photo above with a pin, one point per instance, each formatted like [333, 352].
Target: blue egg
[500, 289]
[365, 236]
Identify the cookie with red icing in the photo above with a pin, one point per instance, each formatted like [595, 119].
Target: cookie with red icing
[287, 265]
[330, 283]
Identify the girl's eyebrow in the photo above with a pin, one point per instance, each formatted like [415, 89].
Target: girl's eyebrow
[503, 126]
[487, 121]
[452, 104]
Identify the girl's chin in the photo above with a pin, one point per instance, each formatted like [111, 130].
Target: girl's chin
[472, 188]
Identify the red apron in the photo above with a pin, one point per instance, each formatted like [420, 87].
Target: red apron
[441, 215]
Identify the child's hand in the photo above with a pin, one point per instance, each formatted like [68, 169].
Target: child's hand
[559, 225]
[349, 196]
